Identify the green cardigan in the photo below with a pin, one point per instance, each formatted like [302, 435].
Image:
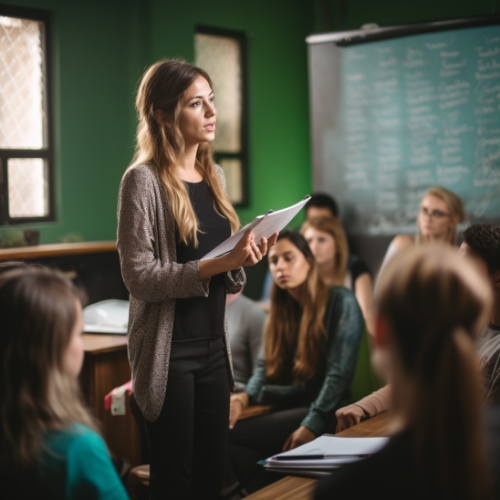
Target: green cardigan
[76, 465]
[329, 388]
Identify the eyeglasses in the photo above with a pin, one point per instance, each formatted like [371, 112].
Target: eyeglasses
[434, 214]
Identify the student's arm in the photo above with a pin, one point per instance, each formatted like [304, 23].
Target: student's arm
[400, 242]
[345, 326]
[363, 290]
[367, 407]
[255, 320]
[90, 472]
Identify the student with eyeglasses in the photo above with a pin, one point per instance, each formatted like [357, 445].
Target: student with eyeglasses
[439, 213]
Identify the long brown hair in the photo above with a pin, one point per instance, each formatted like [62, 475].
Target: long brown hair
[455, 207]
[160, 145]
[292, 324]
[334, 228]
[38, 315]
[435, 303]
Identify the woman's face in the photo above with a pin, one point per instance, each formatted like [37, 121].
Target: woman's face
[73, 357]
[197, 113]
[322, 245]
[434, 218]
[288, 265]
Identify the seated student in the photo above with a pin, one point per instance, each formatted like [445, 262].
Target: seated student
[439, 213]
[430, 306]
[481, 242]
[323, 205]
[245, 323]
[328, 243]
[48, 448]
[310, 348]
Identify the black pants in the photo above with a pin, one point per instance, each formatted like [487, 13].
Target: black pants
[258, 438]
[188, 441]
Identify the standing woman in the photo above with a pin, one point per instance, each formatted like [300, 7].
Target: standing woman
[172, 210]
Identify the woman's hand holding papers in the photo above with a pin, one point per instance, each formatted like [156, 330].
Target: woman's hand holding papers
[245, 253]
[301, 436]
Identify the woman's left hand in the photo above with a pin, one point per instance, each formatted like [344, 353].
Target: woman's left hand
[301, 436]
[260, 251]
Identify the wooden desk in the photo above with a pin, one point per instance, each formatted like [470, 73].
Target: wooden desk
[301, 488]
[105, 367]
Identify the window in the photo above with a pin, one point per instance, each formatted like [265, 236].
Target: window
[222, 54]
[26, 158]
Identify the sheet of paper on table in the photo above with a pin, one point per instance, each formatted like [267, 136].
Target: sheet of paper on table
[263, 226]
[345, 449]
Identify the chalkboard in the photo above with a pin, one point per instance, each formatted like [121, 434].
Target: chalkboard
[391, 118]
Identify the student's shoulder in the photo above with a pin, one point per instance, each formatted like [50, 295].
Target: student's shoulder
[402, 241]
[340, 295]
[74, 437]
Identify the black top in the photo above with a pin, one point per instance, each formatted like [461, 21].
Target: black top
[202, 317]
[390, 474]
[356, 267]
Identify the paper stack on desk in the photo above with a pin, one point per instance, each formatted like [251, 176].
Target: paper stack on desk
[319, 457]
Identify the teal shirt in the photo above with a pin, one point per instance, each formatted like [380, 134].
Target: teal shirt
[329, 388]
[76, 466]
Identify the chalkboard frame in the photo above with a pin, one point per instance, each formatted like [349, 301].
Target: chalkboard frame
[346, 38]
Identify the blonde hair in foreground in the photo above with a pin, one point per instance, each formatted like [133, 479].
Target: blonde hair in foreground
[334, 228]
[38, 311]
[435, 303]
[455, 207]
[161, 145]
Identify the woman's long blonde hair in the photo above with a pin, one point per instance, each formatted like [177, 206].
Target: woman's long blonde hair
[334, 228]
[455, 207]
[435, 303]
[161, 145]
[293, 329]
[38, 311]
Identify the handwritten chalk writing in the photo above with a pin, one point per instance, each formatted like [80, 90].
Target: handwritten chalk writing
[453, 104]
[484, 110]
[356, 77]
[452, 170]
[489, 52]
[454, 65]
[456, 85]
[386, 63]
[450, 150]
[485, 66]
[488, 39]
[487, 76]
[449, 141]
[436, 46]
[447, 73]
[415, 63]
[452, 159]
[455, 53]
[462, 129]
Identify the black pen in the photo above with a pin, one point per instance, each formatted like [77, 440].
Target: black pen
[317, 457]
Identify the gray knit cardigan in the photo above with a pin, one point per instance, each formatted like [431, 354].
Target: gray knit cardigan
[147, 247]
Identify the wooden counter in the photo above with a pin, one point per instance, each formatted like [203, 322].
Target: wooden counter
[301, 488]
[105, 367]
[39, 251]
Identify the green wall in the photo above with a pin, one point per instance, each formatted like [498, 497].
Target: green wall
[101, 47]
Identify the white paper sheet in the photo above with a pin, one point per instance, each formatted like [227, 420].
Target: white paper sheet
[264, 226]
[348, 448]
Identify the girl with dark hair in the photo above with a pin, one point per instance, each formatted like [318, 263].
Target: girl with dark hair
[172, 210]
[310, 348]
[430, 305]
[48, 445]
